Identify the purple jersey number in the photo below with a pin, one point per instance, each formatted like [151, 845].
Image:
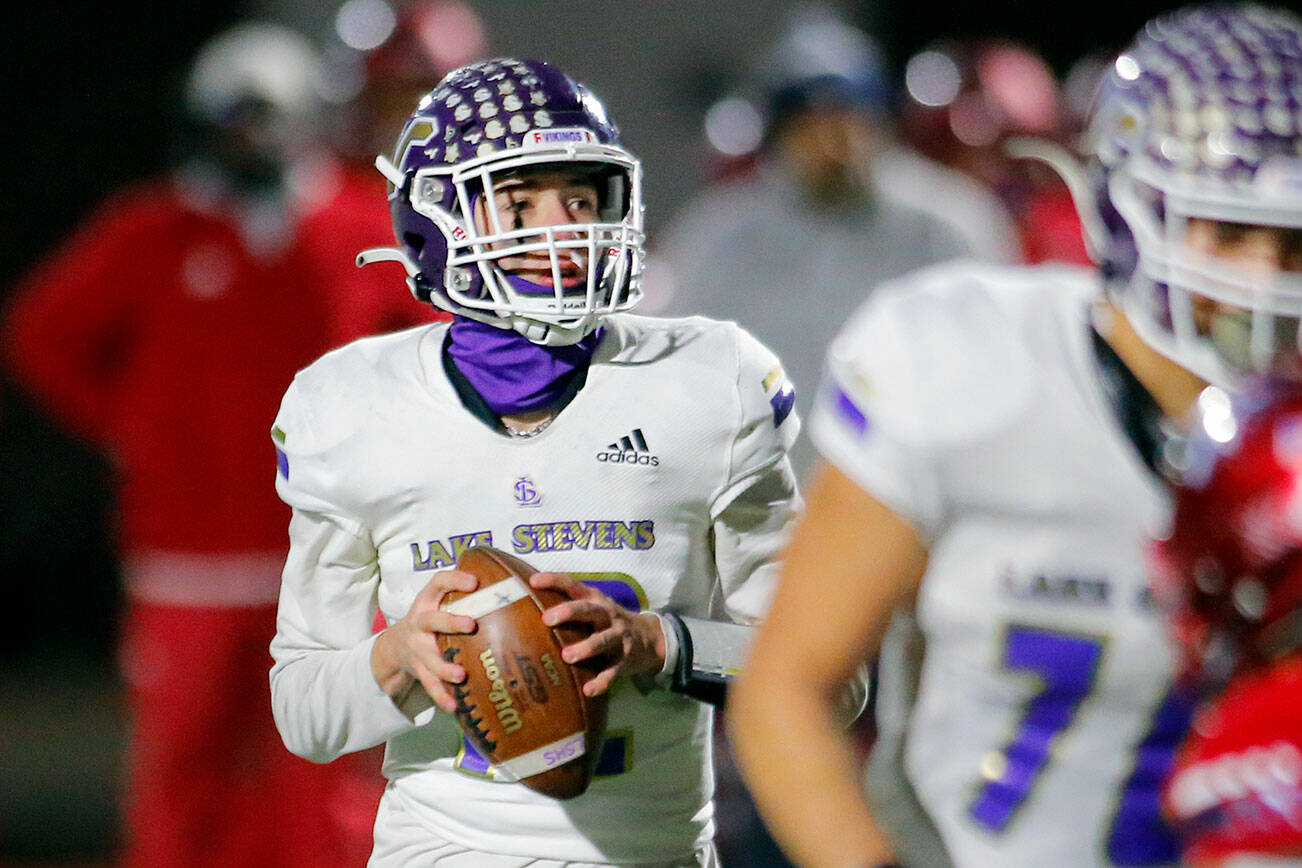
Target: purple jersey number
[1067, 665]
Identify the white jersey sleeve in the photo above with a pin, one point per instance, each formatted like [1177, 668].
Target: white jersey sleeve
[325, 699]
[758, 502]
[871, 386]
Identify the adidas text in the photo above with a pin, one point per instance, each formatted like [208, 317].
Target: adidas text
[629, 456]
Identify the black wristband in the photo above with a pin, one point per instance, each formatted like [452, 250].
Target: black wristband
[703, 688]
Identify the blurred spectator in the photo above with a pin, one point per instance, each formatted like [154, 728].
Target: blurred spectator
[164, 332]
[386, 57]
[790, 234]
[956, 199]
[786, 249]
[965, 100]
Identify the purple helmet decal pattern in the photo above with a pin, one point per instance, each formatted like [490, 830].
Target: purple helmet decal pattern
[1199, 118]
[1210, 90]
[490, 106]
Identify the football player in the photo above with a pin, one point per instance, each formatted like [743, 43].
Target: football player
[645, 457]
[991, 438]
[1230, 571]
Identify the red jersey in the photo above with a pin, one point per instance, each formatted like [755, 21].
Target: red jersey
[1237, 785]
[370, 300]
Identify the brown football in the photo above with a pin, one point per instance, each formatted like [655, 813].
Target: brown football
[521, 705]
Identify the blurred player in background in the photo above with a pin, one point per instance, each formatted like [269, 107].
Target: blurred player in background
[1230, 572]
[966, 101]
[163, 331]
[387, 55]
[648, 454]
[787, 249]
[992, 446]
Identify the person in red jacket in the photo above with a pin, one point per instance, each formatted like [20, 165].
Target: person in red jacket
[1230, 573]
[389, 73]
[164, 330]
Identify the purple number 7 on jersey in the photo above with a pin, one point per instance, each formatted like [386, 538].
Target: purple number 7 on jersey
[1067, 664]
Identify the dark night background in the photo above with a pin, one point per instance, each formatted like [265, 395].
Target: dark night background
[88, 89]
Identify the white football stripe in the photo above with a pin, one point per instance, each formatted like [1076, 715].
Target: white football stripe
[496, 596]
[547, 757]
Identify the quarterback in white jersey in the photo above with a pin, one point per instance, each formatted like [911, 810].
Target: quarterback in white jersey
[992, 441]
[645, 459]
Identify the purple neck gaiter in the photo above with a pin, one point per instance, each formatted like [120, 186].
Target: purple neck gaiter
[509, 372]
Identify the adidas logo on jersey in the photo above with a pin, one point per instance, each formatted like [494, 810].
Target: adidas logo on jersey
[629, 449]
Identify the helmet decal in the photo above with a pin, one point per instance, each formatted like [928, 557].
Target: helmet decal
[1201, 119]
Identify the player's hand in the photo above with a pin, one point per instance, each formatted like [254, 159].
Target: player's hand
[632, 643]
[407, 652]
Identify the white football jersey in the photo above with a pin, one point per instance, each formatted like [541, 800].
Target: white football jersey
[656, 483]
[1032, 721]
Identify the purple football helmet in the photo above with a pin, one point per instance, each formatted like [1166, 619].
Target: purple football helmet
[488, 121]
[1201, 117]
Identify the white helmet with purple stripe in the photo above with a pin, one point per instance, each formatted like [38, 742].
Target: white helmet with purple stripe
[1201, 118]
[484, 122]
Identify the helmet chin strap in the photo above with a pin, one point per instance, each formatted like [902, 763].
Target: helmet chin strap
[536, 331]
[394, 254]
[391, 173]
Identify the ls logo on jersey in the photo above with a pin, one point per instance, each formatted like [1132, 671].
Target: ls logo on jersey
[781, 395]
[526, 493]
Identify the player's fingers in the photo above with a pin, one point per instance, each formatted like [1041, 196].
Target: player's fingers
[608, 641]
[439, 693]
[593, 611]
[601, 682]
[439, 621]
[560, 613]
[449, 580]
[436, 687]
[428, 660]
[560, 582]
[445, 668]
